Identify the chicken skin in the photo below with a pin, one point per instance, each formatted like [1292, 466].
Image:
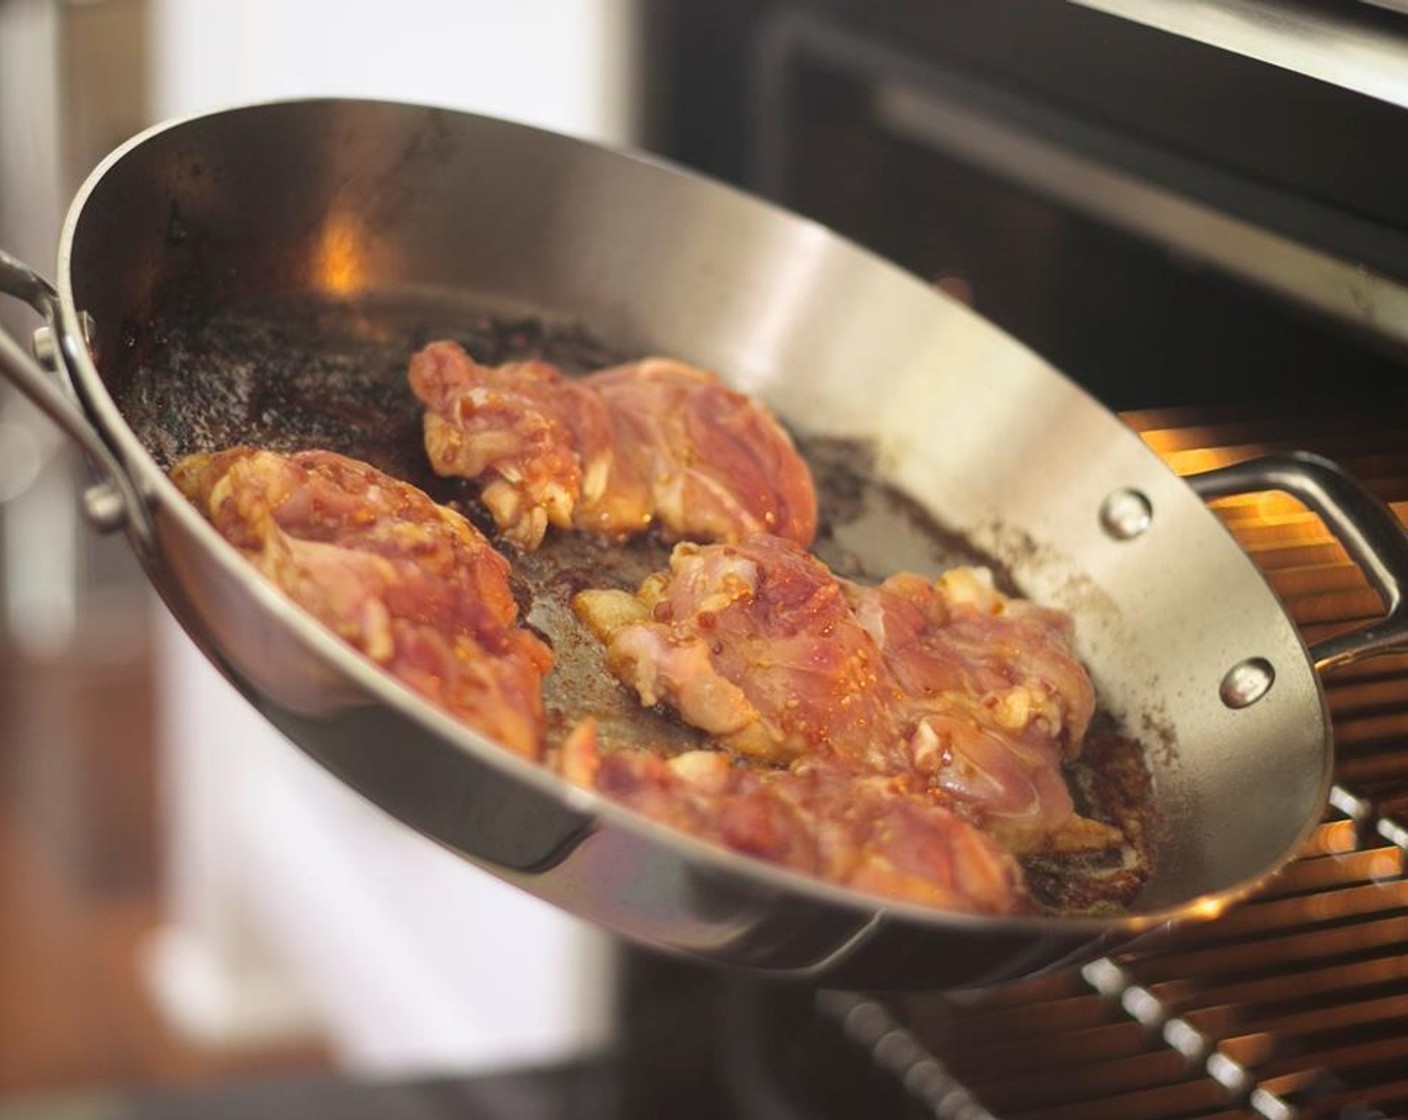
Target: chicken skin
[754, 644]
[977, 697]
[995, 700]
[654, 443]
[874, 832]
[409, 583]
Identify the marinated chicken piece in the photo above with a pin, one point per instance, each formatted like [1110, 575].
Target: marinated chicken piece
[977, 697]
[720, 466]
[652, 443]
[958, 634]
[754, 644]
[411, 584]
[873, 832]
[525, 430]
[1012, 779]
[995, 699]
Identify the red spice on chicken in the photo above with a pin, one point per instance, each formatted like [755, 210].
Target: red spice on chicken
[957, 633]
[976, 697]
[411, 584]
[652, 443]
[995, 699]
[874, 832]
[754, 644]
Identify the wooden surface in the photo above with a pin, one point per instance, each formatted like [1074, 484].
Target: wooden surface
[79, 880]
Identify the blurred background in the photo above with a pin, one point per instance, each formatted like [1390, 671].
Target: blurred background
[183, 900]
[1194, 209]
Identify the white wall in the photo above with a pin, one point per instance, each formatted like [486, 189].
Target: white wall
[560, 64]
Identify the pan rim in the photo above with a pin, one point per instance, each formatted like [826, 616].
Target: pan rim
[599, 810]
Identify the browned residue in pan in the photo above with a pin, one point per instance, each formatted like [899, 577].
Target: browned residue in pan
[294, 374]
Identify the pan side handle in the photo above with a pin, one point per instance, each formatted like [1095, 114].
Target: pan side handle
[115, 502]
[1364, 525]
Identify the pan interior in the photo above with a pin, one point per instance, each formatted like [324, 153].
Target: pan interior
[300, 371]
[330, 199]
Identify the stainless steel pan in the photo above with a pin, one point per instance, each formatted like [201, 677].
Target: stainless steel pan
[1186, 642]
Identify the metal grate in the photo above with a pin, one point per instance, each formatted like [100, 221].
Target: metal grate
[1294, 1005]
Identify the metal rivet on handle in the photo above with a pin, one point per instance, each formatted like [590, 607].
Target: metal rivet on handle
[1125, 514]
[1247, 682]
[46, 353]
[106, 510]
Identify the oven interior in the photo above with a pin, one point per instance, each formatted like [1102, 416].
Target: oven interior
[1205, 242]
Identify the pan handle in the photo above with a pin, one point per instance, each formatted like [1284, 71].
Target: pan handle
[114, 503]
[1364, 525]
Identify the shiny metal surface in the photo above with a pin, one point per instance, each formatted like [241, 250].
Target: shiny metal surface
[1366, 527]
[1092, 166]
[1343, 288]
[39, 379]
[341, 197]
[1329, 42]
[1125, 514]
[1247, 682]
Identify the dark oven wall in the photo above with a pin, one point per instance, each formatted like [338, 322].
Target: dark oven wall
[1167, 222]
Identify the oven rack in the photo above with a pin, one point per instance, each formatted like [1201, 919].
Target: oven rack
[1291, 1006]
